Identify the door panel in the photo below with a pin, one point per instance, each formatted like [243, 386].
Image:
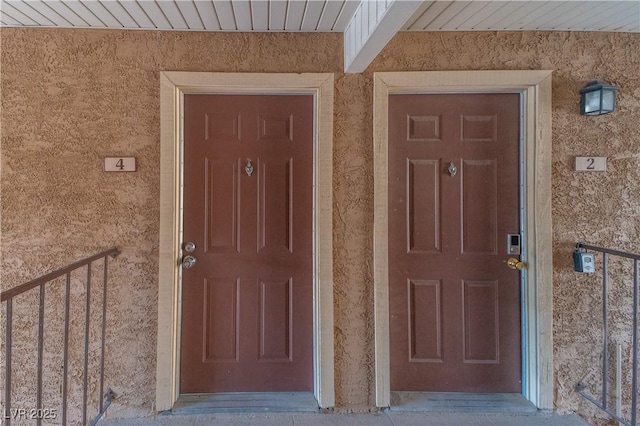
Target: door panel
[221, 334]
[275, 320]
[222, 205]
[247, 303]
[481, 328]
[423, 206]
[453, 198]
[425, 320]
[479, 209]
[275, 204]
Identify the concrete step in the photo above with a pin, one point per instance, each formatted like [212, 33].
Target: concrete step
[387, 418]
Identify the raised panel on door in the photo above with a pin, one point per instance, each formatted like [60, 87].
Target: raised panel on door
[275, 128]
[220, 311]
[276, 320]
[479, 128]
[479, 206]
[275, 204]
[425, 320]
[222, 205]
[481, 322]
[454, 306]
[222, 127]
[423, 206]
[423, 128]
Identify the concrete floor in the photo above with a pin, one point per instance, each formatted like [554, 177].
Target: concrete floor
[388, 418]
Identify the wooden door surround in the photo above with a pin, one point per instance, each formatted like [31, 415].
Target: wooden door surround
[173, 86]
[535, 90]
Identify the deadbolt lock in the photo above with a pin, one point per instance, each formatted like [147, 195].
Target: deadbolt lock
[515, 264]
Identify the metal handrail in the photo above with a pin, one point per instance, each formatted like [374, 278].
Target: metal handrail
[13, 292]
[609, 251]
[41, 282]
[580, 386]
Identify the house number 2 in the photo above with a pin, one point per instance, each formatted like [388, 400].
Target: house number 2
[591, 164]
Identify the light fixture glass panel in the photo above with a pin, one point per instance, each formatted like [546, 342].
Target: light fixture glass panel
[592, 101]
[608, 99]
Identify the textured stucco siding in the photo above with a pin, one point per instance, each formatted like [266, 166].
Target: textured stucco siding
[71, 97]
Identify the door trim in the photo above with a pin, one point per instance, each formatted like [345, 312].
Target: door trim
[535, 89]
[172, 87]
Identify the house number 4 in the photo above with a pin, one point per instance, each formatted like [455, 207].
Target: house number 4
[120, 164]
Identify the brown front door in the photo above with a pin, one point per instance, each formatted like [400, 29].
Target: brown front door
[247, 302]
[453, 198]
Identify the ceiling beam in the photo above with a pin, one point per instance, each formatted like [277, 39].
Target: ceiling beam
[372, 26]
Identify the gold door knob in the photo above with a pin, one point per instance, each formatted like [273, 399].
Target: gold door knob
[514, 263]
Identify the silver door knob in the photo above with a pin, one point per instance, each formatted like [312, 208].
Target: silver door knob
[188, 262]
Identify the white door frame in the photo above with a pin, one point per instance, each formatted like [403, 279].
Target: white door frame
[173, 85]
[535, 88]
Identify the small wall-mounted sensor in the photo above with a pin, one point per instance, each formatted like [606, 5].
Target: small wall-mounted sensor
[583, 262]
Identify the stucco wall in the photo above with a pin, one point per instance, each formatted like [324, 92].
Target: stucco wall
[72, 97]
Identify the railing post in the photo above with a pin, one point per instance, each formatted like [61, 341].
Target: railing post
[7, 365]
[104, 327]
[40, 349]
[86, 345]
[634, 362]
[65, 358]
[605, 328]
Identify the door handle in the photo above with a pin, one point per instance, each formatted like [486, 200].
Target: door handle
[515, 264]
[188, 262]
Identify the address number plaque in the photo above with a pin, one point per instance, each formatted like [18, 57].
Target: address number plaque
[591, 164]
[120, 164]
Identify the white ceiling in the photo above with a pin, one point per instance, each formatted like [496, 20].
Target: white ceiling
[198, 15]
[528, 15]
[318, 15]
[367, 25]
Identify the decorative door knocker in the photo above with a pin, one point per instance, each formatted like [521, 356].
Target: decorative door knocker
[249, 168]
[452, 169]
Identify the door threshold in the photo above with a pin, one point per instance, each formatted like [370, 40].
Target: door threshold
[460, 402]
[245, 402]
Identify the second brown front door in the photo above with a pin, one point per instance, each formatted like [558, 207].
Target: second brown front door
[453, 199]
[247, 302]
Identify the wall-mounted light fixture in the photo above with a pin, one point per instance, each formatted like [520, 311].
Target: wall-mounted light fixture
[597, 98]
